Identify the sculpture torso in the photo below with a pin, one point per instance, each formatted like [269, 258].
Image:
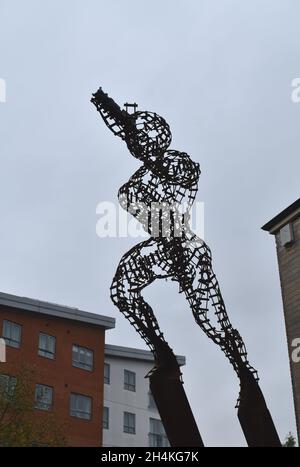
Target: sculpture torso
[169, 182]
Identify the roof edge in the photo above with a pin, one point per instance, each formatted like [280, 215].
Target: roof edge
[55, 310]
[285, 216]
[118, 351]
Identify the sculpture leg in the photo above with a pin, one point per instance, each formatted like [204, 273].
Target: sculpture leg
[135, 272]
[254, 416]
[204, 296]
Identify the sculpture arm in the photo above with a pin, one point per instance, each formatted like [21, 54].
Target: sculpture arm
[117, 120]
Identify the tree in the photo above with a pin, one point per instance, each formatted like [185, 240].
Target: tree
[290, 441]
[20, 423]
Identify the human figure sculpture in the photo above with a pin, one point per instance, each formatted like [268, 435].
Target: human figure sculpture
[160, 195]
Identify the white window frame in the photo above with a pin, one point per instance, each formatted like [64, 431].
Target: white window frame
[129, 427]
[105, 419]
[8, 338]
[7, 385]
[157, 438]
[82, 362]
[77, 412]
[41, 404]
[128, 384]
[45, 352]
[107, 377]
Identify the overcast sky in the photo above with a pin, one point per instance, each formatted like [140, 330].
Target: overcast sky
[220, 72]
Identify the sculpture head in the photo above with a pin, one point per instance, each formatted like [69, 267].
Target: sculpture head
[146, 134]
[151, 138]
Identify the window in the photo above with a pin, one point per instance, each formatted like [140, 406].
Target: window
[157, 435]
[129, 380]
[81, 406]
[43, 397]
[46, 345]
[106, 418]
[7, 386]
[82, 358]
[106, 373]
[287, 235]
[12, 333]
[129, 423]
[151, 402]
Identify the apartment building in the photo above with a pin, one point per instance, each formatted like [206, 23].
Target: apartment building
[130, 416]
[66, 348]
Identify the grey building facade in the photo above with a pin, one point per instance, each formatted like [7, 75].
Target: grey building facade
[131, 418]
[286, 229]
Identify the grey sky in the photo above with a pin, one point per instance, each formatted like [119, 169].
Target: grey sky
[219, 71]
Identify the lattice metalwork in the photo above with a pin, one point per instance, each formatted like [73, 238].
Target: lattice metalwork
[167, 179]
[160, 195]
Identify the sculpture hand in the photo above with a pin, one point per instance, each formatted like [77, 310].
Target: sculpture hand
[117, 120]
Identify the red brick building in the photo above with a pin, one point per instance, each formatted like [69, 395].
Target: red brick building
[66, 346]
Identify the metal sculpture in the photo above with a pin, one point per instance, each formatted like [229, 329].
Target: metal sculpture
[160, 195]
